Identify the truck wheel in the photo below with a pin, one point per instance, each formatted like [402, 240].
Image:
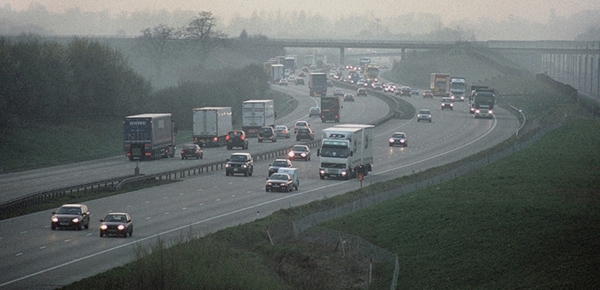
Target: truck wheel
[322, 177]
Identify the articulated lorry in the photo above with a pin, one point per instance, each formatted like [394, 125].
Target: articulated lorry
[317, 84]
[458, 87]
[149, 136]
[211, 125]
[346, 151]
[330, 109]
[439, 84]
[257, 114]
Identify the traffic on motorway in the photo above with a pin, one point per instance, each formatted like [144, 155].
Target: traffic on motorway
[248, 188]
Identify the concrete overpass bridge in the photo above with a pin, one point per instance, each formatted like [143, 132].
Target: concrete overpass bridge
[574, 62]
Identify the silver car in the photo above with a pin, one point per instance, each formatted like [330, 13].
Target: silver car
[282, 131]
[424, 115]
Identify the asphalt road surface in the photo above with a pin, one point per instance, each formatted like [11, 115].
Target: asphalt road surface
[35, 257]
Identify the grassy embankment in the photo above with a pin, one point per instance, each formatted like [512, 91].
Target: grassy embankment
[42, 145]
[529, 221]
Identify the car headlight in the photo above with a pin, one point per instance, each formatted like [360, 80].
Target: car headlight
[269, 183]
[121, 227]
[54, 219]
[321, 170]
[490, 111]
[227, 165]
[291, 154]
[391, 140]
[477, 111]
[75, 220]
[451, 105]
[402, 140]
[244, 166]
[303, 154]
[103, 227]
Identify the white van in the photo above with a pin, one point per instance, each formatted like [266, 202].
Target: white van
[293, 173]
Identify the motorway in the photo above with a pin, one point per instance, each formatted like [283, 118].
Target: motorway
[35, 257]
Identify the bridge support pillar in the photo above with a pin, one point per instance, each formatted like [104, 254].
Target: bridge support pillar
[342, 62]
[402, 54]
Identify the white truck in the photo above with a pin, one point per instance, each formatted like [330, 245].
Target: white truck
[458, 86]
[346, 151]
[257, 114]
[211, 125]
[277, 73]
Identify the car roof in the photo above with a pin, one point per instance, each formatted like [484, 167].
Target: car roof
[72, 205]
[241, 154]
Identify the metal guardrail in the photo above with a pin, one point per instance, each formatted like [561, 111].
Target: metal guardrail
[119, 182]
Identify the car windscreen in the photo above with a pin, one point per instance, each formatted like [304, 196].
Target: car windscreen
[299, 148]
[238, 158]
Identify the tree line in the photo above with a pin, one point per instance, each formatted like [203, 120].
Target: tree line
[43, 81]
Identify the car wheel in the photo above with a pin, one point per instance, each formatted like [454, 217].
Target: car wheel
[182, 158]
[52, 227]
[391, 144]
[266, 189]
[202, 156]
[87, 226]
[322, 177]
[290, 189]
[125, 234]
[246, 173]
[101, 235]
[250, 173]
[226, 173]
[131, 232]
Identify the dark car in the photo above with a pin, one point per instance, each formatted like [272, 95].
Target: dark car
[415, 92]
[314, 111]
[424, 115]
[404, 91]
[267, 133]
[71, 216]
[348, 97]
[236, 139]
[116, 223]
[279, 163]
[338, 92]
[301, 152]
[239, 163]
[427, 94]
[361, 92]
[299, 81]
[279, 182]
[447, 103]
[305, 133]
[398, 138]
[191, 150]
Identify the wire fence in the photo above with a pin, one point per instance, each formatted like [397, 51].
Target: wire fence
[369, 255]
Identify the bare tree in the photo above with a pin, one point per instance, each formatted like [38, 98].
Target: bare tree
[202, 33]
[156, 44]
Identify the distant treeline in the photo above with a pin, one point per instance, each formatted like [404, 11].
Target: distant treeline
[48, 82]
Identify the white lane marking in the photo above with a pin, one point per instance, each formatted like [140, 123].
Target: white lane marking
[221, 216]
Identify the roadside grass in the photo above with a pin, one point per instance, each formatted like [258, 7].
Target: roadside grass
[529, 221]
[43, 145]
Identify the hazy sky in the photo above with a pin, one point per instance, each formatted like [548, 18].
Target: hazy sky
[535, 10]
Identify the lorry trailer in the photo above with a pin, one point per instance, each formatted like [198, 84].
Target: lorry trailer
[211, 125]
[149, 136]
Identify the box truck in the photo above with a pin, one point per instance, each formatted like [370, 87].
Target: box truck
[211, 125]
[346, 151]
[257, 114]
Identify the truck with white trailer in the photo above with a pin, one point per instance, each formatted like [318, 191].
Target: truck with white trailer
[346, 151]
[211, 125]
[149, 136]
[257, 114]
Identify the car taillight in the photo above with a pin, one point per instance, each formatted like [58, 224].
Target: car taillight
[227, 137]
[147, 154]
[182, 151]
